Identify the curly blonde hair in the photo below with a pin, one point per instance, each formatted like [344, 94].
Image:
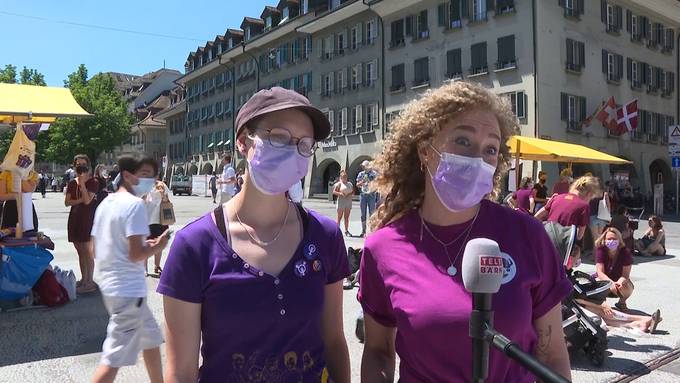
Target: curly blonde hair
[401, 175]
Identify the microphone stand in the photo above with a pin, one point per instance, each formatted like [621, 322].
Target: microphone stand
[483, 334]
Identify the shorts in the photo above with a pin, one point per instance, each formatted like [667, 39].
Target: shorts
[594, 221]
[156, 230]
[132, 328]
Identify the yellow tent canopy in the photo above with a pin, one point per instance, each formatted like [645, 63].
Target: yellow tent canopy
[20, 102]
[536, 149]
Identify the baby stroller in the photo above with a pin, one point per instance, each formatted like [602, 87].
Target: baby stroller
[581, 331]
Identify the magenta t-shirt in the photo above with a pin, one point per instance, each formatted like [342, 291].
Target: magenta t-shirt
[568, 209]
[404, 284]
[523, 198]
[613, 267]
[256, 327]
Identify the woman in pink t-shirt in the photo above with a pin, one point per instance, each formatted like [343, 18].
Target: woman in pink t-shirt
[440, 168]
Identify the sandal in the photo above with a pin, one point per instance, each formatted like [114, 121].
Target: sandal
[621, 306]
[157, 270]
[656, 319]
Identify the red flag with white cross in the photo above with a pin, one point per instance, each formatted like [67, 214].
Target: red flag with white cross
[627, 117]
[607, 114]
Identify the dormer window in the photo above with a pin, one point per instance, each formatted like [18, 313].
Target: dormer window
[247, 35]
[268, 22]
[304, 6]
[285, 14]
[230, 43]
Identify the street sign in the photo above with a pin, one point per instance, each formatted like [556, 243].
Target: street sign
[674, 140]
[676, 162]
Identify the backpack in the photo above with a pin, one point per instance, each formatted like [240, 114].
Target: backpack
[49, 291]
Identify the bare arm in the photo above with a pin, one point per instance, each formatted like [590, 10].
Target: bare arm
[183, 340]
[542, 214]
[28, 186]
[378, 360]
[625, 272]
[659, 237]
[335, 345]
[601, 275]
[581, 231]
[86, 195]
[336, 190]
[140, 252]
[551, 348]
[4, 195]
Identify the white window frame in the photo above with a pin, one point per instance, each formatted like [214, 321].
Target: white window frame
[572, 108]
[611, 67]
[354, 38]
[358, 117]
[328, 46]
[371, 31]
[569, 4]
[356, 76]
[331, 119]
[514, 97]
[342, 40]
[342, 120]
[374, 120]
[634, 25]
[369, 73]
[247, 33]
[611, 17]
[342, 79]
[635, 73]
[479, 10]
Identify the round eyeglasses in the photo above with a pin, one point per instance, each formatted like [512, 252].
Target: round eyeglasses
[279, 138]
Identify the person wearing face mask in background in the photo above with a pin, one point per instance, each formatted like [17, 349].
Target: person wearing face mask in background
[260, 278]
[524, 199]
[613, 262]
[119, 233]
[541, 197]
[440, 170]
[80, 196]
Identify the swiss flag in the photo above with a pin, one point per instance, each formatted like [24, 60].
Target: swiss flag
[627, 117]
[607, 114]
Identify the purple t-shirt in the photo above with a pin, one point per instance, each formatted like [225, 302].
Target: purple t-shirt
[255, 326]
[523, 198]
[613, 267]
[404, 284]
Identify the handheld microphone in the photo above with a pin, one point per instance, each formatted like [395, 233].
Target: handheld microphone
[482, 276]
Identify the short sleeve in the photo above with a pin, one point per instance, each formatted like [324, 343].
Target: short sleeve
[554, 285]
[626, 257]
[136, 222]
[600, 255]
[373, 294]
[338, 265]
[359, 176]
[183, 274]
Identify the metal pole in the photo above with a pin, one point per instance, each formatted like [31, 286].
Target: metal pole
[677, 188]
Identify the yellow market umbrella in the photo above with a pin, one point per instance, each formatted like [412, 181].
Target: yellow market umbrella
[23, 103]
[33, 103]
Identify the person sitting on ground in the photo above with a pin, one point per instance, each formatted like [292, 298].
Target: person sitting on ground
[562, 237]
[614, 262]
[572, 208]
[524, 198]
[562, 186]
[653, 242]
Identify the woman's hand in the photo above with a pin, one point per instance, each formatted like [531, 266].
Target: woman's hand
[607, 310]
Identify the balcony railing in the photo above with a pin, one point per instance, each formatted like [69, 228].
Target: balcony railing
[421, 35]
[571, 12]
[397, 87]
[574, 126]
[397, 43]
[573, 67]
[479, 70]
[508, 64]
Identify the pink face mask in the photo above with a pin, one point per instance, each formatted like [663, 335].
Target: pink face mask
[274, 170]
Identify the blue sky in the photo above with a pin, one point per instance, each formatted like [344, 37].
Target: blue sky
[56, 49]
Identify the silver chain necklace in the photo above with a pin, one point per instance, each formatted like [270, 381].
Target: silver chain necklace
[257, 240]
[452, 270]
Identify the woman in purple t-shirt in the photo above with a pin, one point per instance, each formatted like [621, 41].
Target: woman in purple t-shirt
[444, 159]
[614, 261]
[259, 281]
[524, 198]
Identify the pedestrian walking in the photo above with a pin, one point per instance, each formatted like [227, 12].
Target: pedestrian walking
[152, 202]
[42, 184]
[344, 190]
[213, 186]
[368, 197]
[258, 282]
[80, 196]
[55, 184]
[228, 180]
[440, 169]
[120, 234]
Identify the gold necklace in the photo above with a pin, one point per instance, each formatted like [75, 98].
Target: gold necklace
[259, 241]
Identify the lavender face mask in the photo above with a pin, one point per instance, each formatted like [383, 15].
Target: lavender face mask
[274, 170]
[461, 182]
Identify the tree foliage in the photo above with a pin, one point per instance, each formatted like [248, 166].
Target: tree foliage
[107, 129]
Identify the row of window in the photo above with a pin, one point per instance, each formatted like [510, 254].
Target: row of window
[450, 15]
[205, 143]
[220, 110]
[208, 85]
[650, 124]
[176, 125]
[639, 27]
[353, 120]
[454, 67]
[295, 51]
[348, 40]
[362, 74]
